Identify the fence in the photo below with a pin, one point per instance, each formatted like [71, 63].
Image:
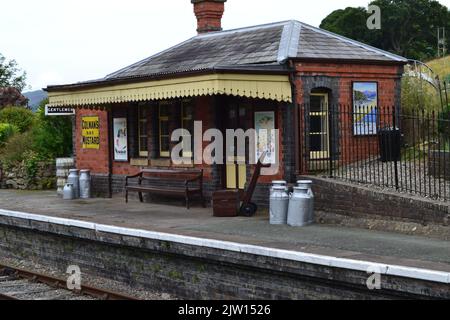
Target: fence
[405, 151]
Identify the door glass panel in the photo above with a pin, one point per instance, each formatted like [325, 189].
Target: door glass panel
[318, 126]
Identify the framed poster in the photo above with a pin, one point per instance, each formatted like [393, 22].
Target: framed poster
[120, 139]
[265, 136]
[365, 108]
[90, 132]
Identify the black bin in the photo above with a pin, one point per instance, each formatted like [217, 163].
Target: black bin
[390, 144]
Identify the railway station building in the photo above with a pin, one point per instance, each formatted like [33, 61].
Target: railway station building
[284, 75]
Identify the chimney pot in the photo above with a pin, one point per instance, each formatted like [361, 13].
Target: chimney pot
[209, 14]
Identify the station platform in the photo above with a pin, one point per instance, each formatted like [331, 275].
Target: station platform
[351, 243]
[329, 245]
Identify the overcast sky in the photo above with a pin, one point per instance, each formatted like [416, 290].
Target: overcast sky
[65, 41]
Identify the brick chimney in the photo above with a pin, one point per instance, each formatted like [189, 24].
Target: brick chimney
[209, 14]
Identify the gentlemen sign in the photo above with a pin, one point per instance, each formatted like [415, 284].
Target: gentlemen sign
[90, 132]
[59, 111]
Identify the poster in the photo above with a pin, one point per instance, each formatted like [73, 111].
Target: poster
[120, 139]
[265, 136]
[365, 108]
[90, 132]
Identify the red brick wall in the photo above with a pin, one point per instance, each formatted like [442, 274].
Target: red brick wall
[384, 75]
[209, 15]
[387, 77]
[95, 160]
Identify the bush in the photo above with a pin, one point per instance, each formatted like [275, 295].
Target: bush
[52, 136]
[6, 131]
[418, 95]
[15, 149]
[18, 116]
[444, 123]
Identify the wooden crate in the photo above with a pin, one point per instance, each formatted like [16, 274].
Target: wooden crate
[226, 203]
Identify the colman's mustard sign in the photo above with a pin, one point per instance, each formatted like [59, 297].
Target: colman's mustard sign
[90, 132]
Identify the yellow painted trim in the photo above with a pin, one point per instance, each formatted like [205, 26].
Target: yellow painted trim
[272, 87]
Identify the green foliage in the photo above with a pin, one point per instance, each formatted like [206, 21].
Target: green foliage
[17, 116]
[31, 160]
[11, 75]
[6, 131]
[417, 95]
[52, 136]
[352, 23]
[408, 27]
[29, 138]
[444, 123]
[16, 147]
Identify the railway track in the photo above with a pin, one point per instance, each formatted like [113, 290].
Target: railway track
[20, 284]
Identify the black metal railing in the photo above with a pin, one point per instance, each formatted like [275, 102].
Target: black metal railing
[407, 151]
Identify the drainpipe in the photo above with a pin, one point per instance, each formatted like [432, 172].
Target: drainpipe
[296, 118]
[110, 149]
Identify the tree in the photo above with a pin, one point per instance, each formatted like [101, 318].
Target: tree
[352, 23]
[11, 75]
[408, 27]
[52, 136]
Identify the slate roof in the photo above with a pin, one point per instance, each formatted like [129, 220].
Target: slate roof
[258, 48]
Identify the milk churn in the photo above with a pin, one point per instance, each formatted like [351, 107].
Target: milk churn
[279, 202]
[68, 192]
[298, 214]
[73, 179]
[308, 184]
[85, 184]
[278, 183]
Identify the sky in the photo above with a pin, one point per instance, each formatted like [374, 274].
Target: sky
[67, 41]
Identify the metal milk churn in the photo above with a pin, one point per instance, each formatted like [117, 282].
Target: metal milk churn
[308, 184]
[279, 203]
[73, 179]
[68, 192]
[85, 184]
[278, 183]
[298, 214]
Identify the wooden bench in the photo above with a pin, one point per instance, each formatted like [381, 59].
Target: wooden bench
[190, 183]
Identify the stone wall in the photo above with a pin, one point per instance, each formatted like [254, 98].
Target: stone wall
[196, 271]
[18, 176]
[338, 202]
[439, 164]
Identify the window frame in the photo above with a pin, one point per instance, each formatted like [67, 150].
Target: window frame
[143, 152]
[161, 119]
[187, 154]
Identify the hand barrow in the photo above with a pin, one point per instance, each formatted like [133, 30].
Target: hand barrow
[248, 208]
